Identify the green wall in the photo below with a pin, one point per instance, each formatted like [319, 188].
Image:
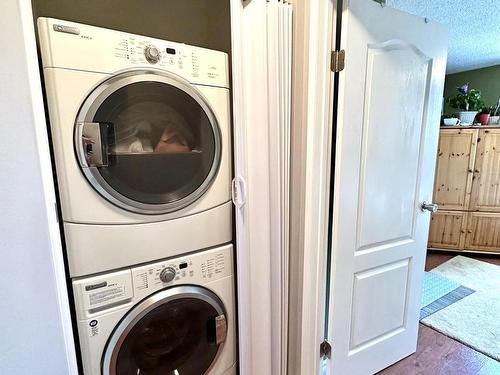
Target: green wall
[203, 23]
[486, 79]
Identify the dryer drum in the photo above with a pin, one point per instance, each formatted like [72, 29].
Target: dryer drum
[148, 142]
[180, 330]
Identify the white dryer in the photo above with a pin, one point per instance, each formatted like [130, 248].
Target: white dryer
[140, 129]
[170, 317]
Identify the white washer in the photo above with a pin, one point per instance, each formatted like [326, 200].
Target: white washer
[170, 317]
[141, 137]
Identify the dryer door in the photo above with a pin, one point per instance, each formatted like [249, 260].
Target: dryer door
[175, 331]
[148, 141]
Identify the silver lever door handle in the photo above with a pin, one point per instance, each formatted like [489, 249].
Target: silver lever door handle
[431, 207]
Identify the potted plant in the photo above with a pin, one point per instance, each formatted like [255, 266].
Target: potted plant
[469, 101]
[449, 120]
[494, 117]
[484, 116]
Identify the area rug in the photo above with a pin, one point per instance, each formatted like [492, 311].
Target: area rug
[439, 292]
[473, 320]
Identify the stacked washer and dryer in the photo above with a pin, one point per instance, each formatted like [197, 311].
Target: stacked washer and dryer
[140, 131]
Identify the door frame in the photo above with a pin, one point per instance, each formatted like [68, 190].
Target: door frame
[28, 68]
[314, 36]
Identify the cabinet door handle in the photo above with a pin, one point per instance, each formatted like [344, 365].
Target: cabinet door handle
[469, 231]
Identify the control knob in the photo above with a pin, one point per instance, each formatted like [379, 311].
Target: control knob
[167, 274]
[152, 54]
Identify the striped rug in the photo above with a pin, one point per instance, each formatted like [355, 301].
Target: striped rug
[445, 300]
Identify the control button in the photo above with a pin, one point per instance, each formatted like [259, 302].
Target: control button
[167, 274]
[152, 54]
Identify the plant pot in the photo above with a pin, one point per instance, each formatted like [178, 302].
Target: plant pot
[451, 121]
[494, 120]
[484, 118]
[467, 117]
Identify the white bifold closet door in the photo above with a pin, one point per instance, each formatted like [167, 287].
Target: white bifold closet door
[261, 65]
[279, 64]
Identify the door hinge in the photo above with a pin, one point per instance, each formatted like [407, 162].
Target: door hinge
[238, 191]
[325, 350]
[338, 61]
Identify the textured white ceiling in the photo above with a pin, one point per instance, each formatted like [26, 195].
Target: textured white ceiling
[474, 27]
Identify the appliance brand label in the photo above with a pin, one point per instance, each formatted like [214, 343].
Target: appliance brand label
[66, 29]
[96, 286]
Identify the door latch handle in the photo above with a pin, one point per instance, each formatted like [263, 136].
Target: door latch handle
[431, 207]
[239, 191]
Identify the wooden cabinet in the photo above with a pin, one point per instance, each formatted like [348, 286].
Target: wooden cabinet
[483, 232]
[447, 230]
[486, 186]
[455, 163]
[467, 190]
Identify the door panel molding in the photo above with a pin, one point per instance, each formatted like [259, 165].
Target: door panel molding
[398, 272]
[385, 60]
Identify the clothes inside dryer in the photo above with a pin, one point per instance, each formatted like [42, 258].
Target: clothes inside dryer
[148, 126]
[158, 144]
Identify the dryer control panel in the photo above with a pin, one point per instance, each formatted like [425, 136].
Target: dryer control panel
[77, 46]
[115, 289]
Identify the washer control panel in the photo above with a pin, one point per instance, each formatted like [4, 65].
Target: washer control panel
[198, 269]
[114, 289]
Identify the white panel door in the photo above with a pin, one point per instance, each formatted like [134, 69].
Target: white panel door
[390, 95]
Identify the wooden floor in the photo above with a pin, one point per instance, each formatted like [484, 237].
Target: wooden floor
[438, 354]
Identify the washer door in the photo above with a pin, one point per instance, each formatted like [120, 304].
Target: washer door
[148, 142]
[177, 331]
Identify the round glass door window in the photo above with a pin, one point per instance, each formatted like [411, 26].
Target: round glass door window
[148, 142]
[176, 331]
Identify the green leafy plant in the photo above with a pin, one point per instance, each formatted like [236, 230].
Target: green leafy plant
[466, 99]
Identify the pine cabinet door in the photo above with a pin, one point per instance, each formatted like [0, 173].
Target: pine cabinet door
[447, 230]
[456, 152]
[485, 194]
[483, 232]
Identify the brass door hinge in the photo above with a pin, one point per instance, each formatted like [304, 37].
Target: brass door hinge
[338, 61]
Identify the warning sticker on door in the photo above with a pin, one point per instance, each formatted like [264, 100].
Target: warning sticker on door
[93, 328]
